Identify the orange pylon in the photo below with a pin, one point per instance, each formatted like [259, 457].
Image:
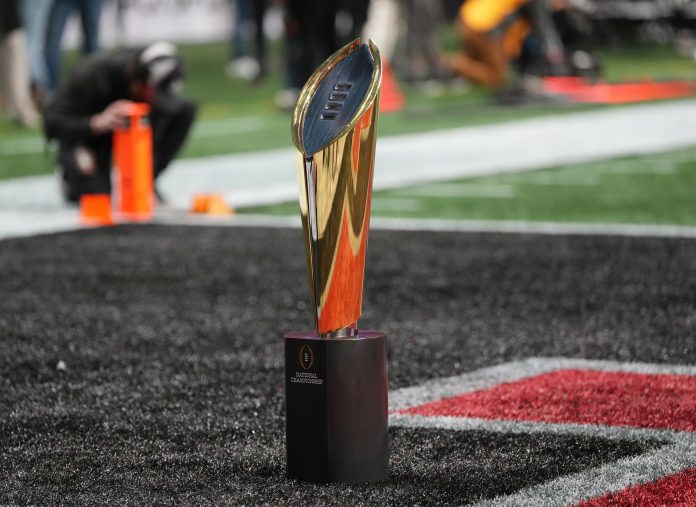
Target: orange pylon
[392, 98]
[95, 210]
[133, 158]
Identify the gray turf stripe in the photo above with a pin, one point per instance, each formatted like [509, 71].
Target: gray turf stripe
[485, 378]
[498, 426]
[597, 482]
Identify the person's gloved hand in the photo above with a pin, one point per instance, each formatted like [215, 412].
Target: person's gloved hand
[113, 117]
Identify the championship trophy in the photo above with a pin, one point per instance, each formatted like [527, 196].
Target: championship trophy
[336, 376]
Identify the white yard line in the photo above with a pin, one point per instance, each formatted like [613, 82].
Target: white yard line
[461, 190]
[638, 168]
[396, 204]
[561, 179]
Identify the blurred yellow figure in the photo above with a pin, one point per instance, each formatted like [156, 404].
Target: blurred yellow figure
[492, 33]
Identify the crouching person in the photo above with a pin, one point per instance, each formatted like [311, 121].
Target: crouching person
[96, 100]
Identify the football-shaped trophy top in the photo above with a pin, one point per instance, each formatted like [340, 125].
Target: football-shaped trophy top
[334, 131]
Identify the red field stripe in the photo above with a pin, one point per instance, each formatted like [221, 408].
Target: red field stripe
[679, 489]
[581, 397]
[582, 90]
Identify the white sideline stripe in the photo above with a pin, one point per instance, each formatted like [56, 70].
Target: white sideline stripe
[37, 221]
[272, 222]
[15, 224]
[521, 227]
[597, 482]
[679, 453]
[485, 378]
[444, 225]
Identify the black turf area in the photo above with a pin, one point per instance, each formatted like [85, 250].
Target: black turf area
[143, 364]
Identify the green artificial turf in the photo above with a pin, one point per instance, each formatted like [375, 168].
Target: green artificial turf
[237, 116]
[655, 189]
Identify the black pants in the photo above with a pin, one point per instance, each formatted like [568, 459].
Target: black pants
[171, 119]
[310, 37]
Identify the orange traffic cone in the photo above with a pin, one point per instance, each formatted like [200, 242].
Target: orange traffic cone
[392, 98]
[200, 203]
[211, 204]
[95, 210]
[133, 158]
[218, 207]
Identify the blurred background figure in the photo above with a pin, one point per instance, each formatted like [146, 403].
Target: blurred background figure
[423, 18]
[384, 25]
[310, 36]
[350, 19]
[14, 70]
[35, 17]
[96, 100]
[248, 55]
[314, 31]
[61, 10]
[573, 19]
[493, 32]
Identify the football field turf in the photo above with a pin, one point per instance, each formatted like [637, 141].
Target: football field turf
[236, 116]
[648, 189]
[144, 364]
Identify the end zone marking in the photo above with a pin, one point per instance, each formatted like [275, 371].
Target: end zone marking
[655, 493]
[677, 455]
[486, 378]
[598, 482]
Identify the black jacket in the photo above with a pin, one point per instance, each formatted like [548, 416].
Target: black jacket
[96, 82]
[9, 16]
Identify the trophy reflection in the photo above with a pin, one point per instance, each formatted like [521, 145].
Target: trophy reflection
[336, 381]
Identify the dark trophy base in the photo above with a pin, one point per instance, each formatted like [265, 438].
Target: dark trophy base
[337, 411]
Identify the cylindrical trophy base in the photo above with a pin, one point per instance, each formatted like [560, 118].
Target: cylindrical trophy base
[337, 408]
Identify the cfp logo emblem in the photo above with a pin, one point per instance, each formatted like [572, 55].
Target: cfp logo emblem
[306, 357]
